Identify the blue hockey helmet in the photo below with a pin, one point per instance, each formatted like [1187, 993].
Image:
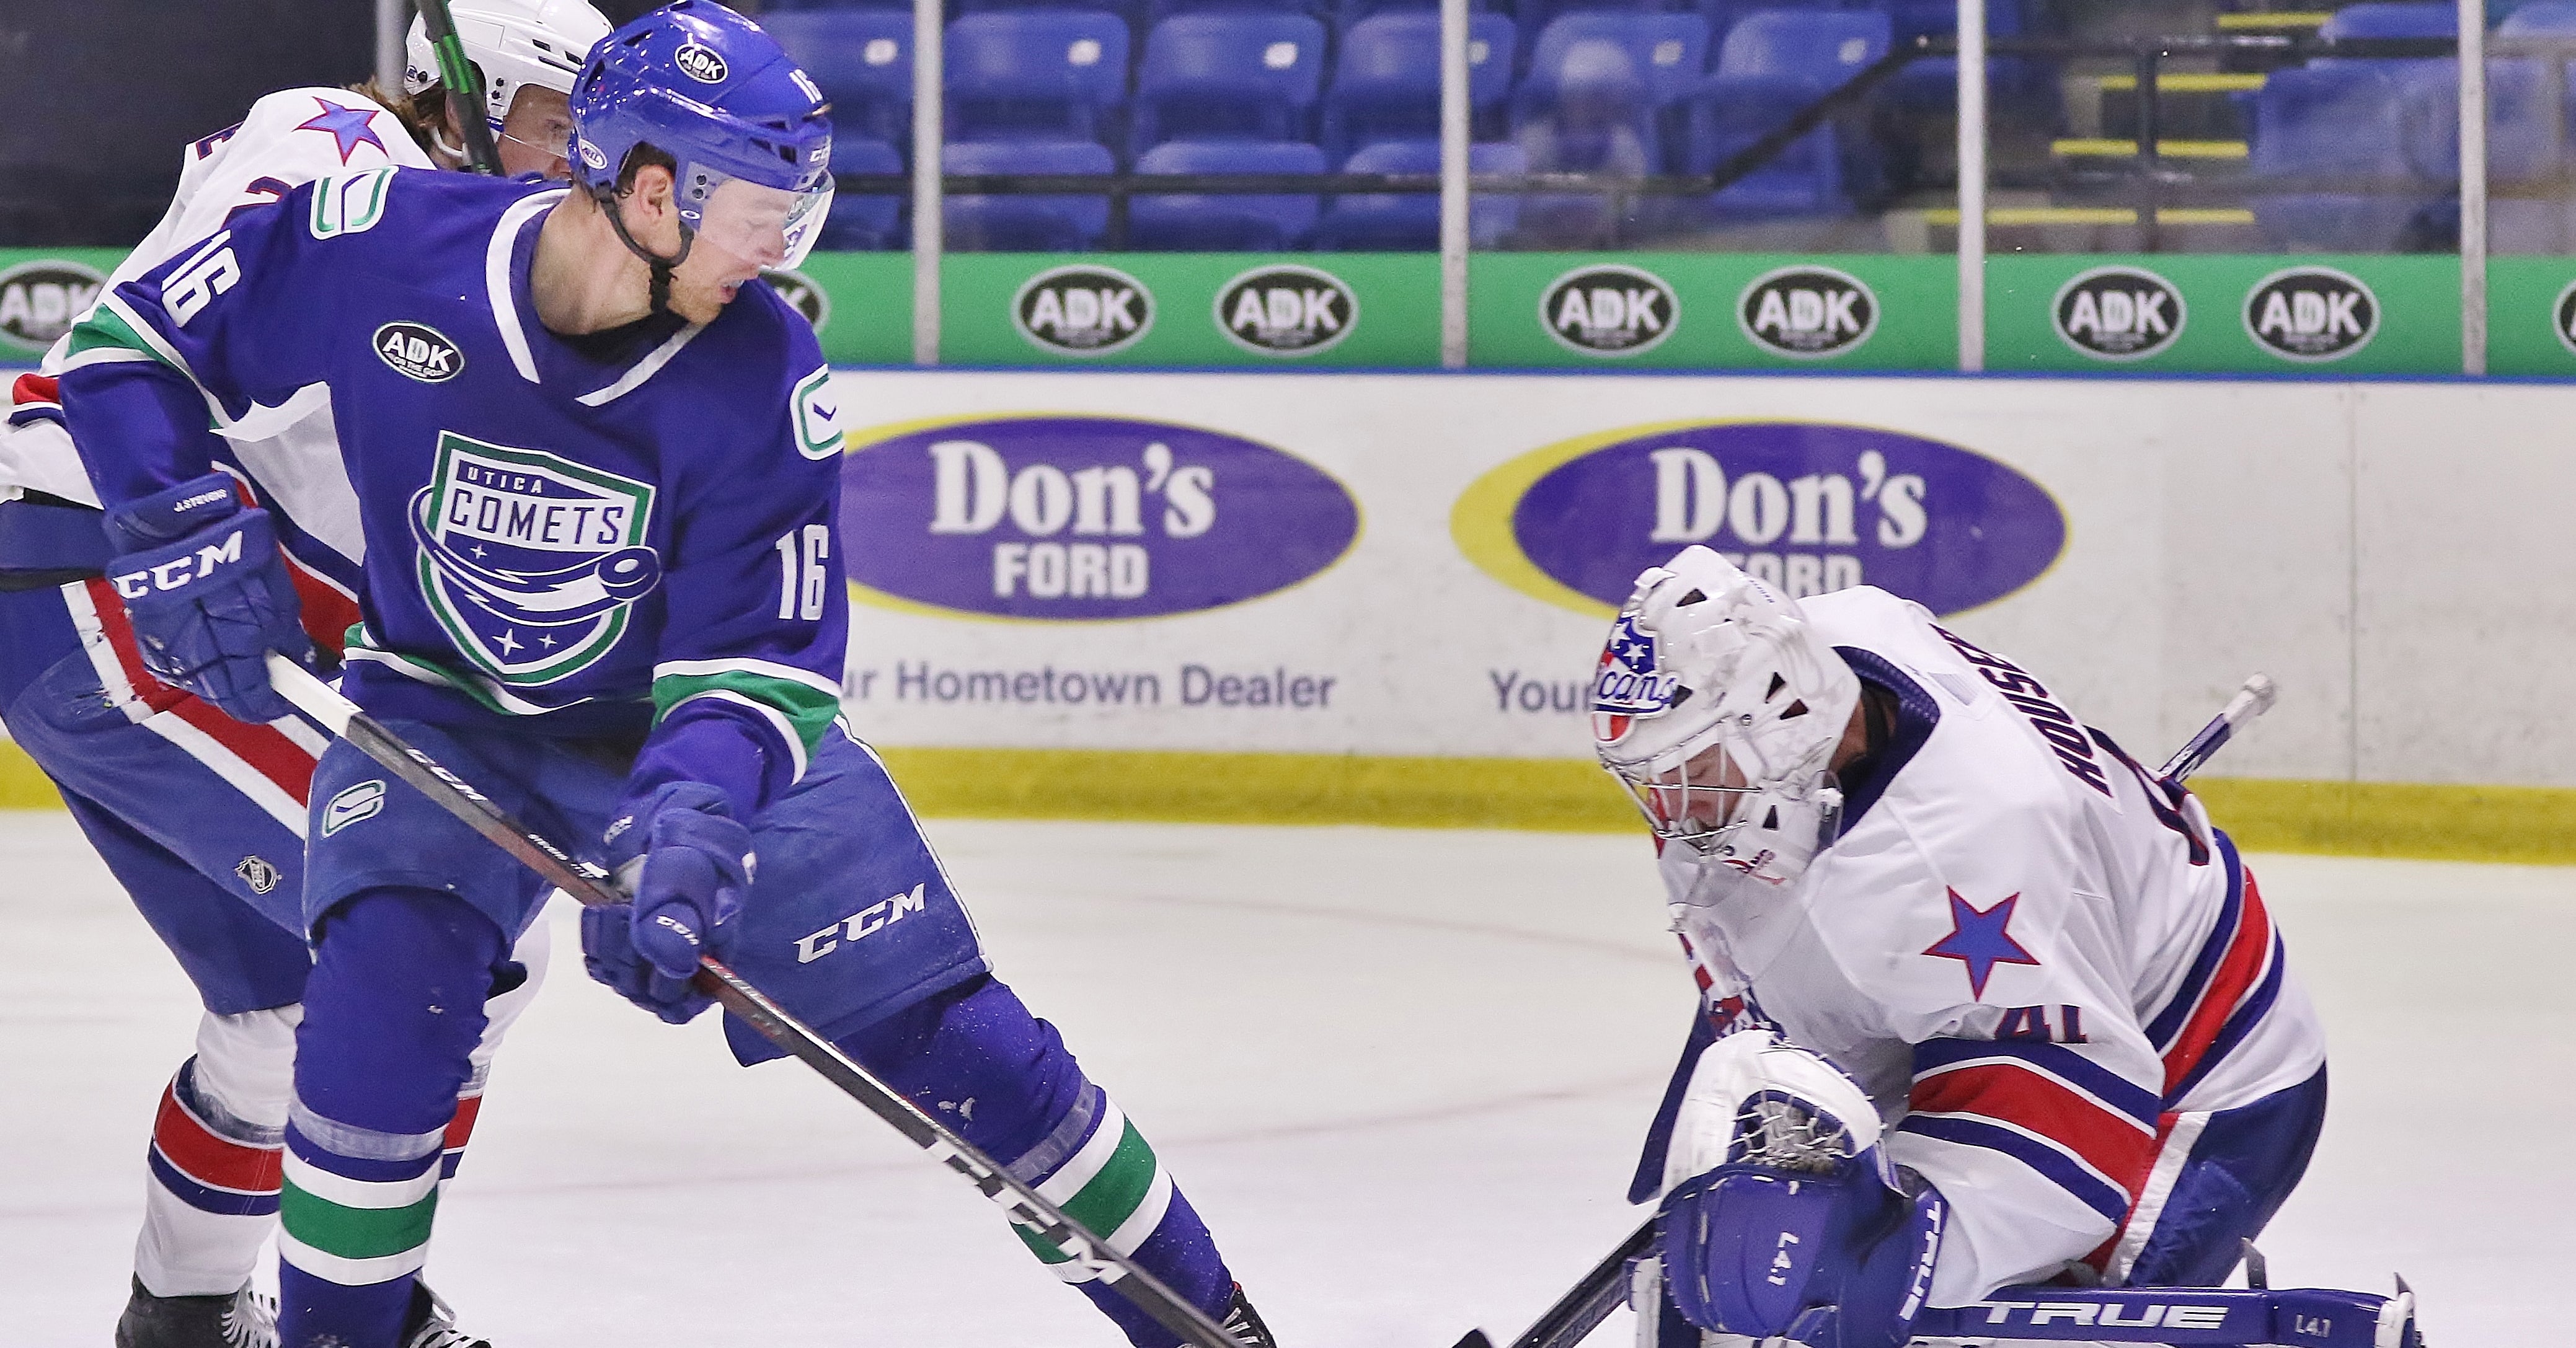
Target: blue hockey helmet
[747, 129]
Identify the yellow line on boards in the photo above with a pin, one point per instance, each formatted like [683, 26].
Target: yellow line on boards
[2530, 825]
[2187, 83]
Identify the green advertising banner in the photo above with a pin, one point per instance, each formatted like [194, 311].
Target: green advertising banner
[2531, 316]
[1724, 311]
[1282, 310]
[860, 305]
[42, 290]
[2205, 313]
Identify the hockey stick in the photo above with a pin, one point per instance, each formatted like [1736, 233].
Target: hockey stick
[2252, 700]
[464, 89]
[1582, 1309]
[589, 885]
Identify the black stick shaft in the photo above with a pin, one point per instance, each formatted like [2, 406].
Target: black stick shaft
[464, 87]
[589, 885]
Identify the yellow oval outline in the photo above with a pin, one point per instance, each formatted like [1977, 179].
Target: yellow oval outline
[1481, 522]
[869, 595]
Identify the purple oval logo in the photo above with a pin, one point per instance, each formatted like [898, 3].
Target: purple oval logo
[1085, 518]
[1807, 507]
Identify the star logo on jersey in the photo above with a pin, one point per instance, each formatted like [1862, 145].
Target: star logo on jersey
[532, 562]
[1980, 939]
[348, 127]
[1629, 683]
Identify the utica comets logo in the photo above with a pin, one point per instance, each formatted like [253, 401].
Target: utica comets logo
[530, 561]
[1630, 683]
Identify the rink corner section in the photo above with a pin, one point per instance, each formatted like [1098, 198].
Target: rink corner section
[2529, 825]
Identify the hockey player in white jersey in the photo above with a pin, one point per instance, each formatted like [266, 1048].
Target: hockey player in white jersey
[199, 816]
[1985, 1002]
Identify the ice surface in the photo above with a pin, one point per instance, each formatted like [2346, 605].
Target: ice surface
[1403, 1074]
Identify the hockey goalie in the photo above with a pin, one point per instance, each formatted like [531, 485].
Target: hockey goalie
[1985, 1002]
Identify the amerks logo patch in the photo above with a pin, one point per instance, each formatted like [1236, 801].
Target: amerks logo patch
[1630, 682]
[531, 562]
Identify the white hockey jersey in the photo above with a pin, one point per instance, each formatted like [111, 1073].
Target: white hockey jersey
[289, 453]
[2027, 951]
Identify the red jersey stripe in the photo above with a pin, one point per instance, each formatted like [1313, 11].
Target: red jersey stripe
[210, 1159]
[2239, 971]
[2107, 1140]
[461, 1127]
[119, 631]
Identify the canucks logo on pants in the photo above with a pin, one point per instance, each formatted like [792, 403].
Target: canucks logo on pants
[531, 561]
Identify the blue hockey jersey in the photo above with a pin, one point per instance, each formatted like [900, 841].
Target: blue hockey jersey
[570, 543]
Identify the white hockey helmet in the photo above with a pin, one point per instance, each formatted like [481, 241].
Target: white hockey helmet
[1719, 708]
[514, 43]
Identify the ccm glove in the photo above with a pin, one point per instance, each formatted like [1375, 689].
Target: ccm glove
[208, 594]
[688, 863]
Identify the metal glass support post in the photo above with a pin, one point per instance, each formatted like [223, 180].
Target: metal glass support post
[393, 20]
[1454, 140]
[2473, 186]
[1972, 184]
[928, 234]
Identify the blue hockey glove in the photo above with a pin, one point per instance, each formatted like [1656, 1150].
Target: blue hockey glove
[208, 594]
[1834, 1260]
[687, 861]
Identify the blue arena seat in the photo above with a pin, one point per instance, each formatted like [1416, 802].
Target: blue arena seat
[1196, 223]
[1229, 75]
[1035, 74]
[2547, 18]
[1666, 54]
[1025, 224]
[860, 58]
[1597, 85]
[863, 223]
[1386, 84]
[2021, 90]
[2393, 20]
[1772, 65]
[1388, 222]
[1822, 48]
[1159, 10]
[2345, 120]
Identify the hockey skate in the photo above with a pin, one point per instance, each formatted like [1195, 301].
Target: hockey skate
[1244, 1323]
[245, 1319]
[432, 1324]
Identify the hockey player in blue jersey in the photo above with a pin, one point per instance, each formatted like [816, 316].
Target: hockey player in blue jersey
[199, 816]
[595, 466]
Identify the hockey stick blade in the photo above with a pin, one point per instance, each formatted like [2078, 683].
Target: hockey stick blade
[1589, 1302]
[589, 885]
[2251, 700]
[464, 87]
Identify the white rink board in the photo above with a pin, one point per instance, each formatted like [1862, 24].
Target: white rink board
[2390, 553]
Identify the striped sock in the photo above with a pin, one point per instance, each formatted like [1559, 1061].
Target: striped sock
[355, 1221]
[1112, 1182]
[213, 1188]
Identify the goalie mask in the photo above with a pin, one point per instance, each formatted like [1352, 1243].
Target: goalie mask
[1719, 709]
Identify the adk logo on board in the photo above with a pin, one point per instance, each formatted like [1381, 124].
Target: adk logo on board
[1808, 507]
[1083, 310]
[1286, 310]
[802, 295]
[2563, 314]
[1807, 313]
[2118, 313]
[40, 299]
[1084, 518]
[1609, 310]
[2311, 314]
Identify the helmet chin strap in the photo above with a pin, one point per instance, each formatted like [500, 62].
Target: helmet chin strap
[661, 266]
